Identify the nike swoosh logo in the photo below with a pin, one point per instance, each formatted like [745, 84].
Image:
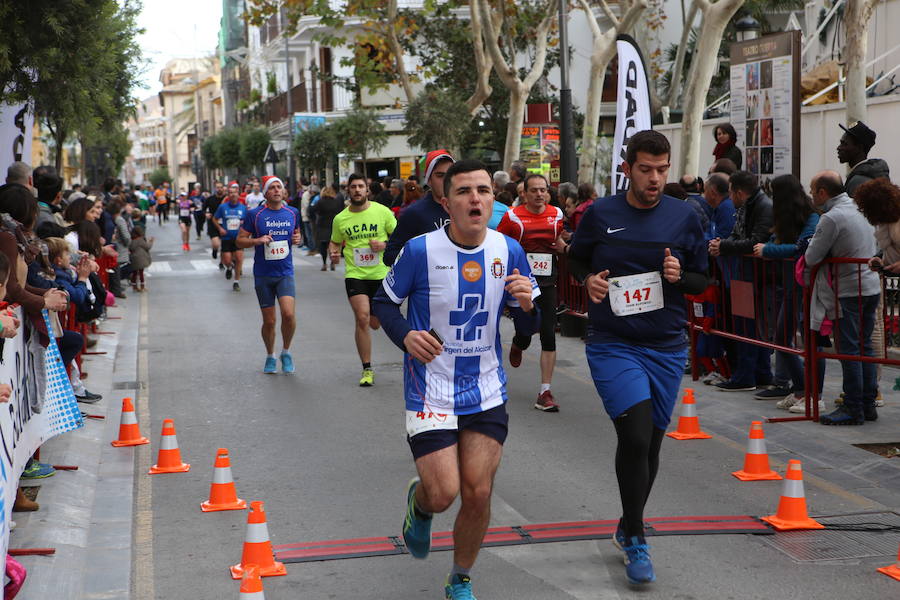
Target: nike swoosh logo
[611, 230]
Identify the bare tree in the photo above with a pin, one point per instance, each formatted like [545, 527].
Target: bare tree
[678, 65]
[856, 21]
[519, 88]
[393, 41]
[484, 63]
[602, 51]
[716, 15]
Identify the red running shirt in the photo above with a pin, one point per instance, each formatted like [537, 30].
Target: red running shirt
[536, 233]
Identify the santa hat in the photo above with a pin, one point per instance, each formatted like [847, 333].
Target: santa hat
[432, 158]
[269, 180]
[234, 184]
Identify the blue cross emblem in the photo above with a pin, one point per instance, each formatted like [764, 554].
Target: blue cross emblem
[469, 318]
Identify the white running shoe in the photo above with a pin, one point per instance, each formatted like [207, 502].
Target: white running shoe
[800, 407]
[788, 402]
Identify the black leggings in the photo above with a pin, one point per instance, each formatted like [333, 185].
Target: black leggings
[323, 250]
[546, 302]
[637, 461]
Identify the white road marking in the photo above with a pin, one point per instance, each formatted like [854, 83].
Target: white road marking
[204, 265]
[159, 267]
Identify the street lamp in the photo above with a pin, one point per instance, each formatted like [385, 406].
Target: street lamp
[747, 28]
[567, 164]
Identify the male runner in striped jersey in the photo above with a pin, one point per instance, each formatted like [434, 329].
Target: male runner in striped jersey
[457, 280]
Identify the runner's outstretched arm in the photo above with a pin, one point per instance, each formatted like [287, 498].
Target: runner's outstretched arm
[392, 320]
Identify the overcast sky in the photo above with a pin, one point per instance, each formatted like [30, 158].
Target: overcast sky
[175, 29]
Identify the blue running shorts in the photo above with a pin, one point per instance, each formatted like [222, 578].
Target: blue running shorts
[625, 375]
[268, 289]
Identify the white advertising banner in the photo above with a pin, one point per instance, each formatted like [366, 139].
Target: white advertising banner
[42, 406]
[16, 122]
[632, 105]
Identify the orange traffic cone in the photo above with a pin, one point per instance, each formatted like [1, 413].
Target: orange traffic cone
[222, 495]
[791, 512]
[251, 584]
[169, 458]
[129, 432]
[689, 422]
[756, 461]
[892, 570]
[257, 547]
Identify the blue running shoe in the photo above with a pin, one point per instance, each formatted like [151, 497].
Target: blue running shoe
[287, 362]
[271, 365]
[416, 531]
[458, 588]
[638, 568]
[37, 470]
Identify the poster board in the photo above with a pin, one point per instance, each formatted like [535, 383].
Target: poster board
[539, 148]
[765, 104]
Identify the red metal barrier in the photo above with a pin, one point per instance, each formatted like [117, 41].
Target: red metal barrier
[888, 304]
[750, 296]
[746, 295]
[105, 263]
[571, 295]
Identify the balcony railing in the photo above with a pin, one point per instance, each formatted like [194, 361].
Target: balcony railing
[304, 98]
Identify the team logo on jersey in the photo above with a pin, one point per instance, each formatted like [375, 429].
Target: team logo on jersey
[497, 268]
[471, 271]
[470, 318]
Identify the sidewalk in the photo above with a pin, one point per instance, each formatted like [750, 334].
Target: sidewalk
[86, 515]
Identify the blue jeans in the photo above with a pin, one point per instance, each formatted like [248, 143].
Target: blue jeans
[754, 363]
[308, 242]
[857, 323]
[788, 367]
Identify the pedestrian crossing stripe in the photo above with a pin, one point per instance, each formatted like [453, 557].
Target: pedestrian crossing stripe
[204, 265]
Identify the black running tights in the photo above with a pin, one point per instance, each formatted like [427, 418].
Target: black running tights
[637, 461]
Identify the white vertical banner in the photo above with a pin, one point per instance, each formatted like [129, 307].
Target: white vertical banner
[16, 122]
[632, 105]
[42, 405]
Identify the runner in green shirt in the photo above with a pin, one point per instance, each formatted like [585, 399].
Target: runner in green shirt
[362, 229]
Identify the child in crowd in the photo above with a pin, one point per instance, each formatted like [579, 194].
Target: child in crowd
[74, 280]
[75, 283]
[140, 257]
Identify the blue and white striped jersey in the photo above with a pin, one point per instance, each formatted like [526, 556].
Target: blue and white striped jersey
[459, 293]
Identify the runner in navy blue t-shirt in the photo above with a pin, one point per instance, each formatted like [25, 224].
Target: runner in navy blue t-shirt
[641, 252]
[227, 220]
[273, 228]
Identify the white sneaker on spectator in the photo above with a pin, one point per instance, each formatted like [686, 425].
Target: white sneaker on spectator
[789, 401]
[879, 400]
[713, 378]
[800, 407]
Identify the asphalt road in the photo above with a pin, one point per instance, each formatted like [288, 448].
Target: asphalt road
[330, 461]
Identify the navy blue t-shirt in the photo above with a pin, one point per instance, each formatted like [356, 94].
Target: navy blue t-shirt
[422, 216]
[614, 235]
[274, 259]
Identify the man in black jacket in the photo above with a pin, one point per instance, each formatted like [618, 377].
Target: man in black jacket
[853, 150]
[752, 226]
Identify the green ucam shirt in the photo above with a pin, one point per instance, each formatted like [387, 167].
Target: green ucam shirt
[355, 230]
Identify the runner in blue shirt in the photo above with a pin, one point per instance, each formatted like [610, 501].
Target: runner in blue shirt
[227, 220]
[457, 280]
[273, 228]
[641, 252]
